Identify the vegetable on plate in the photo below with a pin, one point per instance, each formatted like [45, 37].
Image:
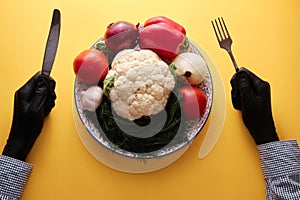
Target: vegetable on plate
[165, 20]
[121, 35]
[193, 101]
[138, 84]
[192, 66]
[163, 36]
[90, 66]
[91, 98]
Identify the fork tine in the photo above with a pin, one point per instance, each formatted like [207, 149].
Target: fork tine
[212, 22]
[216, 22]
[222, 28]
[225, 27]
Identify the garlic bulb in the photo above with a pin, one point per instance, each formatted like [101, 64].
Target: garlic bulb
[192, 66]
[91, 98]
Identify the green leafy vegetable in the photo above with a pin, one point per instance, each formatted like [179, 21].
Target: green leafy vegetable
[108, 83]
[110, 123]
[185, 45]
[101, 46]
[173, 68]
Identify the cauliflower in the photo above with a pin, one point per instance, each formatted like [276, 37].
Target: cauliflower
[141, 85]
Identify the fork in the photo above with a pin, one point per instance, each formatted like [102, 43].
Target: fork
[224, 38]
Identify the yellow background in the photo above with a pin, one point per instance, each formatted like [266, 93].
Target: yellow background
[266, 36]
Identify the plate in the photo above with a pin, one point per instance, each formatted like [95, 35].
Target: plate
[191, 127]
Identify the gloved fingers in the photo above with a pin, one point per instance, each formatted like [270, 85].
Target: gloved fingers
[236, 100]
[48, 107]
[50, 101]
[49, 104]
[259, 86]
[245, 88]
[252, 76]
[26, 92]
[52, 85]
[235, 93]
[236, 84]
[41, 93]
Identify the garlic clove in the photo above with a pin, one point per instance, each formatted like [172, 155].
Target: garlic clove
[91, 98]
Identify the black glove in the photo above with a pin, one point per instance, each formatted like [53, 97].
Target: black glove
[32, 103]
[251, 95]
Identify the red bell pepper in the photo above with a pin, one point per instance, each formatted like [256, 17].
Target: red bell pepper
[163, 36]
[165, 20]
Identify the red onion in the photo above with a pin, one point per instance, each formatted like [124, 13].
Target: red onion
[121, 35]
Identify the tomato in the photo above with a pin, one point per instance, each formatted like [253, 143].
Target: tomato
[91, 66]
[193, 101]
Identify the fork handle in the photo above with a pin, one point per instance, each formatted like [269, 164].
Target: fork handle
[233, 60]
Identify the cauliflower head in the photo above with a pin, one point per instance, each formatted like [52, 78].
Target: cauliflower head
[142, 83]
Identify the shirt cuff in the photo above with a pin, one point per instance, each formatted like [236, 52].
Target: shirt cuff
[14, 175]
[279, 158]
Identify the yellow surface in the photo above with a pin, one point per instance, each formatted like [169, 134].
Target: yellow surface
[266, 39]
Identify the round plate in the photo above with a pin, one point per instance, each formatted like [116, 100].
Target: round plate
[192, 127]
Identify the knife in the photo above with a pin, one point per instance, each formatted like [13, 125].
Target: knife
[52, 43]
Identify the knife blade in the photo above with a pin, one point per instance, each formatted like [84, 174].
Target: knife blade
[52, 43]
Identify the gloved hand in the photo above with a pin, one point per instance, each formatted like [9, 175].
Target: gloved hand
[251, 95]
[32, 103]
